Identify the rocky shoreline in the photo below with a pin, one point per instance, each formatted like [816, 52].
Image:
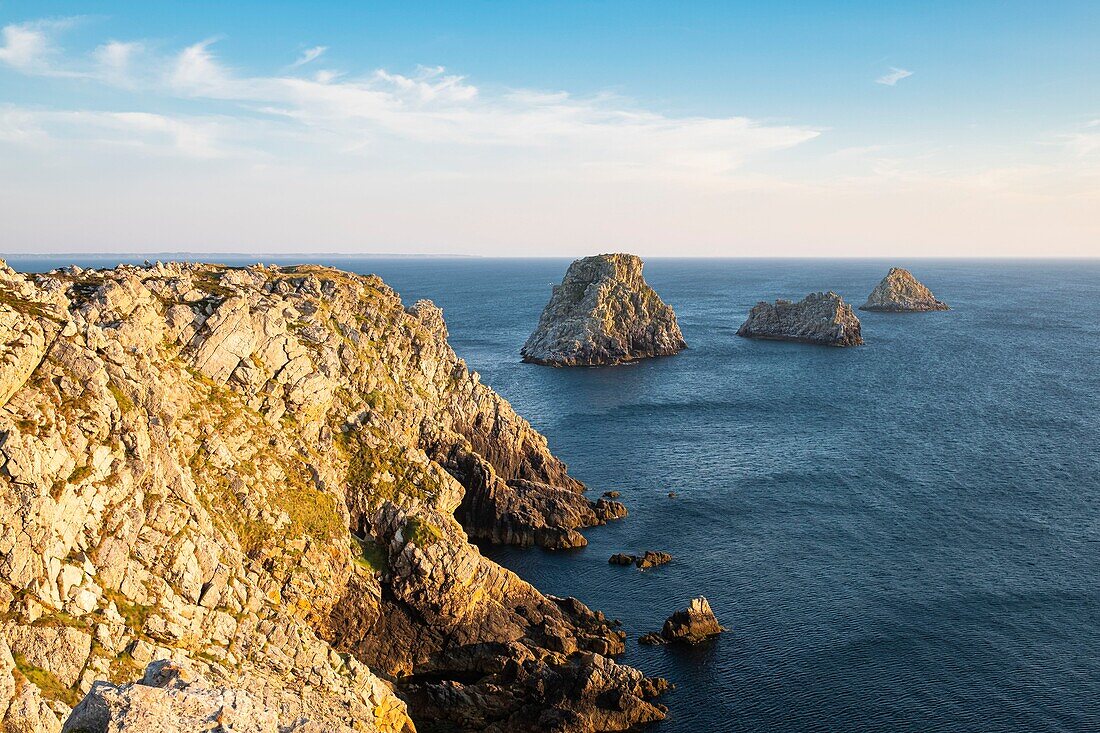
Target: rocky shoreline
[255, 473]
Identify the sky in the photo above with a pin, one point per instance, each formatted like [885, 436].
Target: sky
[801, 129]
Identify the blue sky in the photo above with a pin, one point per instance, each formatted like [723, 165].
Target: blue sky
[798, 128]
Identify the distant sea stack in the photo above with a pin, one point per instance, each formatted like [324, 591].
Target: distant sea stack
[603, 313]
[819, 318]
[900, 292]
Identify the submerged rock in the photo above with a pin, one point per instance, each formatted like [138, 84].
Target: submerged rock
[819, 318]
[603, 313]
[900, 292]
[692, 625]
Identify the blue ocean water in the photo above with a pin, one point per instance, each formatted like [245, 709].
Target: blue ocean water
[900, 537]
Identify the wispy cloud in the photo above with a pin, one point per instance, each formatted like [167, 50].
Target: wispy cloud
[430, 116]
[310, 54]
[893, 76]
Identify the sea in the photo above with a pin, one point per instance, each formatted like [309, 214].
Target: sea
[901, 537]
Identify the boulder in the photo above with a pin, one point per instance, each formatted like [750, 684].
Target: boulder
[652, 559]
[692, 625]
[603, 313]
[819, 318]
[622, 558]
[900, 292]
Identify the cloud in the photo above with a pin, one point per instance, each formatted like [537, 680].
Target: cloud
[26, 45]
[893, 77]
[430, 119]
[310, 54]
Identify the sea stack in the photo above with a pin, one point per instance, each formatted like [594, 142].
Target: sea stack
[603, 313]
[819, 318]
[692, 625]
[900, 292]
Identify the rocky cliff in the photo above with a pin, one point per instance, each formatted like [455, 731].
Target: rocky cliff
[269, 476]
[900, 292]
[819, 318]
[603, 313]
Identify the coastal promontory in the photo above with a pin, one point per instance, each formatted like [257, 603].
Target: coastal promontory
[819, 318]
[900, 292]
[603, 313]
[270, 476]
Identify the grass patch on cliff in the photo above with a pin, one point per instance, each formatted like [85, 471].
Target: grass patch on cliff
[421, 532]
[381, 471]
[124, 402]
[134, 614]
[46, 681]
[27, 307]
[369, 555]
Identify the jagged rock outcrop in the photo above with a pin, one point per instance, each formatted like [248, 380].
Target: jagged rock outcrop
[692, 625]
[255, 472]
[170, 699]
[653, 558]
[819, 318]
[900, 292]
[603, 313]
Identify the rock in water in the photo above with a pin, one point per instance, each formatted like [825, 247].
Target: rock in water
[819, 318]
[652, 559]
[603, 313]
[692, 625]
[900, 292]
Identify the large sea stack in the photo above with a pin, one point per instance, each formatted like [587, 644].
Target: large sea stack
[270, 476]
[819, 318]
[900, 292]
[603, 313]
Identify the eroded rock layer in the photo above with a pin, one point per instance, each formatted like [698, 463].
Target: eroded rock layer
[819, 318]
[900, 292]
[255, 472]
[603, 313]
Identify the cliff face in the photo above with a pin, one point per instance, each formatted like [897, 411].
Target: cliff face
[256, 473]
[603, 313]
[900, 292]
[819, 318]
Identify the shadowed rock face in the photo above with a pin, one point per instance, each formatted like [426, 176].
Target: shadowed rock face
[603, 313]
[256, 473]
[819, 318]
[900, 292]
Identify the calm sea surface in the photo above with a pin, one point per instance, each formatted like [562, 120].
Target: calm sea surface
[901, 537]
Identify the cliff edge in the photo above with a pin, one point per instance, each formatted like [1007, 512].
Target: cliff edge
[259, 474]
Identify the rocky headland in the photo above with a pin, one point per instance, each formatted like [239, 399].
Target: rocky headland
[819, 318]
[900, 292]
[270, 476]
[603, 313]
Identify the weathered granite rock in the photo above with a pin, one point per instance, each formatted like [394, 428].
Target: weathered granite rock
[168, 699]
[900, 292]
[603, 313]
[255, 473]
[622, 558]
[652, 559]
[819, 318]
[692, 625]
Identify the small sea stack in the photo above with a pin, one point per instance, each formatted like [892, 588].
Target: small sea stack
[900, 292]
[819, 318]
[692, 625]
[603, 313]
